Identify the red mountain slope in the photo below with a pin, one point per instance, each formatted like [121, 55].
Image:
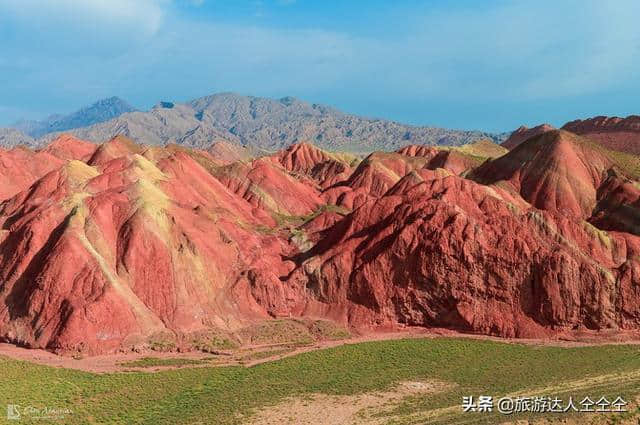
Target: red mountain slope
[452, 160]
[126, 246]
[325, 168]
[269, 187]
[20, 167]
[619, 134]
[523, 133]
[67, 147]
[556, 171]
[140, 247]
[449, 252]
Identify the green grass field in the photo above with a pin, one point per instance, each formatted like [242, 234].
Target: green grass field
[226, 395]
[157, 362]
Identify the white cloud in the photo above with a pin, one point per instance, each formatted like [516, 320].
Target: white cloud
[527, 50]
[139, 17]
[504, 52]
[513, 50]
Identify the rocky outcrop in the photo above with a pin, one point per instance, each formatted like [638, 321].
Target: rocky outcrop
[452, 160]
[618, 206]
[67, 147]
[269, 187]
[325, 168]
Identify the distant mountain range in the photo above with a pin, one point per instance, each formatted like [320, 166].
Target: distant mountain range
[268, 124]
[10, 137]
[101, 111]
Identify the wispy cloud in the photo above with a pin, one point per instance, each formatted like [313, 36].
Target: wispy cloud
[499, 52]
[139, 17]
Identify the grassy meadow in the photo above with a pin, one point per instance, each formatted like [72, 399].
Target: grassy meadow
[230, 395]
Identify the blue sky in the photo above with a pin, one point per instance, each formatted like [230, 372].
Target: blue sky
[490, 65]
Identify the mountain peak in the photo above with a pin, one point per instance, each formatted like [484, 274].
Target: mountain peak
[555, 171]
[264, 123]
[10, 137]
[113, 101]
[98, 112]
[288, 100]
[524, 133]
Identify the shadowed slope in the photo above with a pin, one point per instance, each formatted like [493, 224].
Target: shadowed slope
[450, 252]
[324, 167]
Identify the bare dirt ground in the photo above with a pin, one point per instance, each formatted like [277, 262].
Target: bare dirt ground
[116, 362]
[376, 408]
[321, 409]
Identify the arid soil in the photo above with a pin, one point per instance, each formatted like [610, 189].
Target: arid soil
[246, 355]
[321, 409]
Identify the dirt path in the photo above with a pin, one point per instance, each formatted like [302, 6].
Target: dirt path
[586, 340]
[110, 363]
[107, 363]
